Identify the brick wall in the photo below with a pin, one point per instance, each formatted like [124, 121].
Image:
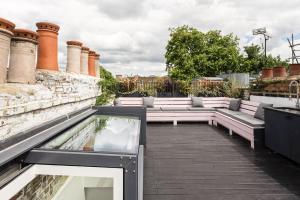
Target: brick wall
[41, 188]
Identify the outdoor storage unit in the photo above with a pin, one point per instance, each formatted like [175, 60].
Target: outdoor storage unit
[282, 133]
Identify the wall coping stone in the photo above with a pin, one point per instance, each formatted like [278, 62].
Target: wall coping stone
[52, 89]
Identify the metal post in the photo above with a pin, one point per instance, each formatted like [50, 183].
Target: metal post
[265, 46]
[263, 31]
[292, 48]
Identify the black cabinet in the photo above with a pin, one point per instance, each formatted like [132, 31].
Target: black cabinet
[294, 131]
[282, 133]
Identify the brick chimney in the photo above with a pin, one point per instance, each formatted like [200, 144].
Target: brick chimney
[6, 28]
[97, 65]
[73, 56]
[48, 46]
[91, 63]
[22, 63]
[84, 59]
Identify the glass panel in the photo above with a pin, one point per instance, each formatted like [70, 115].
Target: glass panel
[116, 134]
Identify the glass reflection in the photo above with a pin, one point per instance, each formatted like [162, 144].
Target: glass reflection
[100, 133]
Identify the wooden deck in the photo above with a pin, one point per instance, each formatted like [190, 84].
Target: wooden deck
[197, 161]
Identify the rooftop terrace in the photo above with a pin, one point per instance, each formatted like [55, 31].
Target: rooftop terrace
[198, 161]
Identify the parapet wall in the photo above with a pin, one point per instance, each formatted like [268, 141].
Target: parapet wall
[24, 106]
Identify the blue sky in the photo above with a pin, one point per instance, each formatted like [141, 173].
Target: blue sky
[131, 35]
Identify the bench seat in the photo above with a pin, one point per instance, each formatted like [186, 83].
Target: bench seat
[154, 109]
[202, 109]
[215, 111]
[243, 117]
[243, 122]
[174, 109]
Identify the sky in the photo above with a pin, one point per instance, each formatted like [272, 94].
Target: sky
[131, 35]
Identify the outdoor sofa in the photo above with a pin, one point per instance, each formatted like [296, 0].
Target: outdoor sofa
[214, 110]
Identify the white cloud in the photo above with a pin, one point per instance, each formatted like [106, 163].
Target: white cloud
[131, 35]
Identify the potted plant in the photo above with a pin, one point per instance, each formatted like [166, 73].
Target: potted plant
[294, 69]
[267, 73]
[279, 71]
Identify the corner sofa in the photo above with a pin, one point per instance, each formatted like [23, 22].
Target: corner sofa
[215, 111]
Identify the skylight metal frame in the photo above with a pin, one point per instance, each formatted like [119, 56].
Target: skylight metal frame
[33, 171]
[130, 163]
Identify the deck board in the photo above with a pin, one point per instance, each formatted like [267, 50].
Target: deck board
[197, 161]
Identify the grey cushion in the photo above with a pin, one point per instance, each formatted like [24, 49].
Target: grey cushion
[117, 102]
[260, 113]
[234, 104]
[153, 110]
[197, 102]
[243, 117]
[229, 112]
[148, 102]
[174, 109]
[250, 120]
[201, 109]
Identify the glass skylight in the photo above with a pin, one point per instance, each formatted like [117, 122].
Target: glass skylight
[100, 133]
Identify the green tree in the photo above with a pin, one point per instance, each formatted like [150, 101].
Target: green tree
[253, 51]
[191, 53]
[107, 85]
[255, 59]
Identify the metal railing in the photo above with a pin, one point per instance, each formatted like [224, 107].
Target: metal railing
[166, 88]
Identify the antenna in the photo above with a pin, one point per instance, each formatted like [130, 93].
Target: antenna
[262, 31]
[259, 31]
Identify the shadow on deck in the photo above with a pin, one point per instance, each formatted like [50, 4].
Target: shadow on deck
[197, 161]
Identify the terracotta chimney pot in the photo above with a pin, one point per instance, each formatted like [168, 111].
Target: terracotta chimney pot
[48, 46]
[73, 56]
[6, 28]
[97, 65]
[23, 51]
[267, 73]
[91, 63]
[84, 59]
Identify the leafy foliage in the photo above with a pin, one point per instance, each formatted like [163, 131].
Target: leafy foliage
[158, 88]
[275, 61]
[233, 89]
[255, 59]
[108, 87]
[191, 53]
[211, 91]
[222, 89]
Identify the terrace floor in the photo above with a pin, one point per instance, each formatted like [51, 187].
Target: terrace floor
[197, 161]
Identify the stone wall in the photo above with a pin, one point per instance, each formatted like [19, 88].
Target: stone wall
[23, 106]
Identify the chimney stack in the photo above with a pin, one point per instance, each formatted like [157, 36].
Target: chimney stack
[91, 63]
[73, 56]
[48, 46]
[97, 65]
[6, 32]
[84, 59]
[23, 51]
